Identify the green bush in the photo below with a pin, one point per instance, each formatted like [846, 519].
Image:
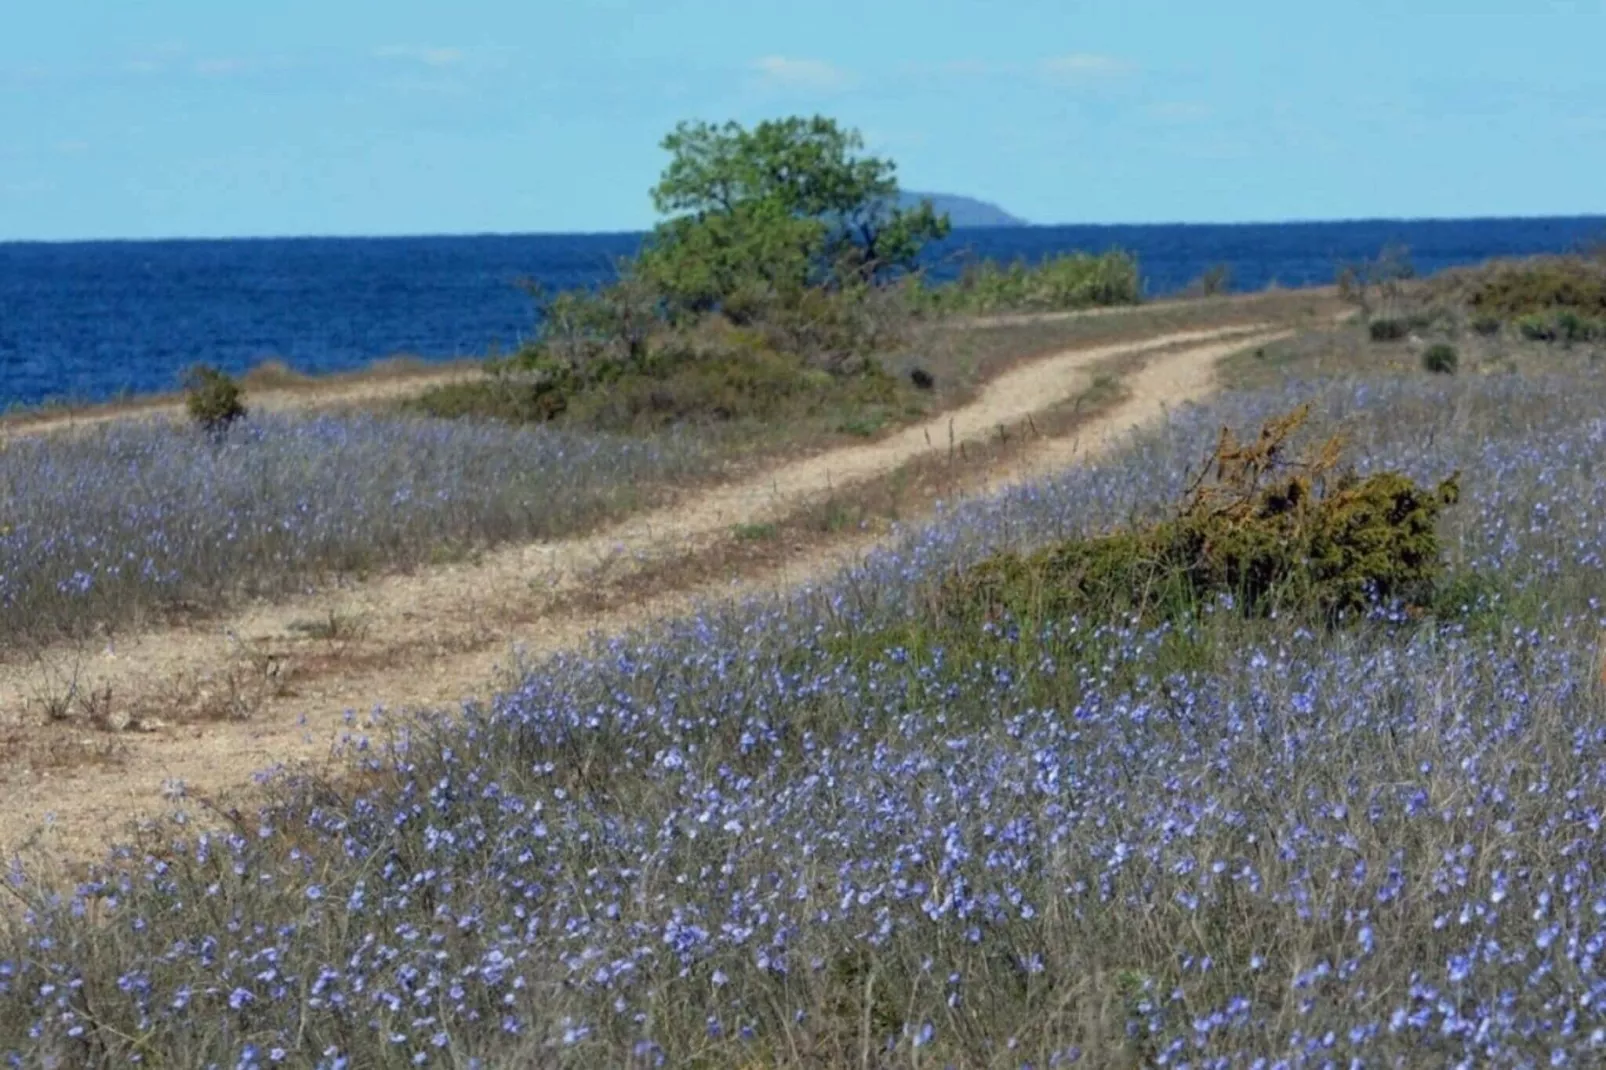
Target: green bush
[1060, 283]
[1565, 326]
[213, 399]
[1441, 358]
[736, 378]
[1388, 329]
[1571, 327]
[1512, 288]
[1537, 327]
[1270, 535]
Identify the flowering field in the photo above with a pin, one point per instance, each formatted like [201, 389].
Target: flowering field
[130, 519]
[829, 831]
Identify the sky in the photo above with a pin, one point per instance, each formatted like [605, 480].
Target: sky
[226, 118]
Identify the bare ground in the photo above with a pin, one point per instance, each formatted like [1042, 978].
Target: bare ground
[273, 684]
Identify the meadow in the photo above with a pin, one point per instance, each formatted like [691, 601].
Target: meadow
[832, 829]
[127, 523]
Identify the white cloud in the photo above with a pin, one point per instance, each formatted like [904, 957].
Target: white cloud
[813, 75]
[430, 57]
[1084, 66]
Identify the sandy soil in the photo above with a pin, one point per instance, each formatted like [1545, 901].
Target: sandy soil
[208, 706]
[356, 390]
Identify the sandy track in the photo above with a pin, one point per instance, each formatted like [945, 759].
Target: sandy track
[357, 390]
[437, 636]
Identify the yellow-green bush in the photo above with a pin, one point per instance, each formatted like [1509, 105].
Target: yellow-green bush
[213, 399]
[1508, 289]
[1269, 533]
[1069, 281]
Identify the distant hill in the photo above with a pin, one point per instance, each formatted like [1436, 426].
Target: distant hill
[962, 211]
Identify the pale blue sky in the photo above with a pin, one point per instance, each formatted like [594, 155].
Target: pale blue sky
[228, 117]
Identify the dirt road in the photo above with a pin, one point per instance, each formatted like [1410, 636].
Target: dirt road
[273, 684]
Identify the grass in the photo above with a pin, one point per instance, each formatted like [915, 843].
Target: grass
[755, 532]
[128, 522]
[1347, 351]
[832, 830]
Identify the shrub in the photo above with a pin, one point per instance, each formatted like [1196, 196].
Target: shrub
[1215, 281]
[1537, 327]
[833, 329]
[1571, 327]
[1266, 533]
[1487, 326]
[1512, 288]
[1441, 358]
[213, 399]
[1059, 283]
[1387, 274]
[1388, 330]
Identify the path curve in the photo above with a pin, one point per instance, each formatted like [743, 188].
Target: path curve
[460, 622]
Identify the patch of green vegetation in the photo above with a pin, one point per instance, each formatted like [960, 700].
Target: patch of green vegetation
[766, 296]
[1509, 289]
[755, 532]
[1441, 358]
[1387, 330]
[213, 399]
[1058, 283]
[1394, 328]
[740, 379]
[1565, 326]
[1269, 534]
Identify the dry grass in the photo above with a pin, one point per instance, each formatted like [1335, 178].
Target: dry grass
[1346, 351]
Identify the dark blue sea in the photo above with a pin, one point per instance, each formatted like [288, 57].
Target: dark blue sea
[92, 320]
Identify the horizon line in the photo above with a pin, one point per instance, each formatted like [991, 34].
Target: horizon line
[1025, 225]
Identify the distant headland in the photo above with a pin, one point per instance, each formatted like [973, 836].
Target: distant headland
[962, 211]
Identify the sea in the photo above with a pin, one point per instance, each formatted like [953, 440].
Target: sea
[92, 321]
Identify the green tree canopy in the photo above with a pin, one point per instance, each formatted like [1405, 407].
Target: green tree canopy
[760, 215]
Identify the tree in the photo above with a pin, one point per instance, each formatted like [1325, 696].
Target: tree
[758, 216]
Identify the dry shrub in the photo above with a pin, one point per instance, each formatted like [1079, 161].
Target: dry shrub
[1269, 532]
